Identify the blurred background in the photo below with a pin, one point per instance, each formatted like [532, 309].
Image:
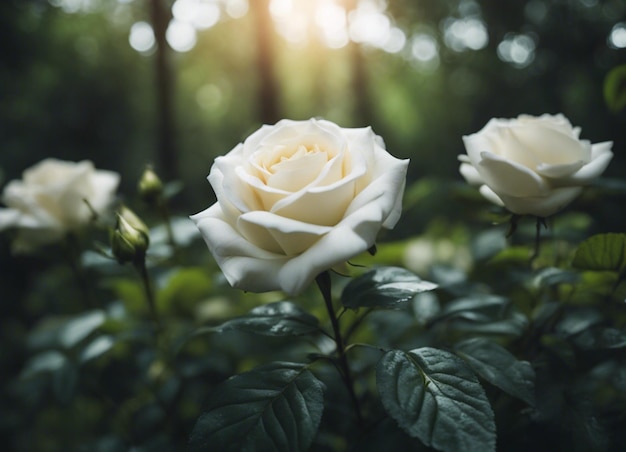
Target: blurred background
[175, 83]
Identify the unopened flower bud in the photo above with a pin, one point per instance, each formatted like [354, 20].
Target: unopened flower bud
[130, 239]
[150, 186]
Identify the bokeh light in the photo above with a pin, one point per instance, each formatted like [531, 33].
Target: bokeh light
[468, 33]
[181, 36]
[617, 38]
[141, 37]
[517, 49]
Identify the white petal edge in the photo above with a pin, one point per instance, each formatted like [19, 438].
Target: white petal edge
[543, 206]
[489, 194]
[245, 266]
[470, 174]
[601, 156]
[510, 178]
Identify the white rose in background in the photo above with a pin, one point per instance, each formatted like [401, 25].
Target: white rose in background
[296, 199]
[49, 201]
[532, 165]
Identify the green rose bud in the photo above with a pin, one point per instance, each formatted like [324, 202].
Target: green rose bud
[150, 186]
[130, 239]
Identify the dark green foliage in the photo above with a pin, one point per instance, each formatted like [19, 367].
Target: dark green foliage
[282, 318]
[274, 408]
[385, 287]
[435, 397]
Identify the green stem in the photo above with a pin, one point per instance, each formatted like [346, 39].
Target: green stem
[140, 265]
[73, 257]
[540, 222]
[324, 284]
[165, 214]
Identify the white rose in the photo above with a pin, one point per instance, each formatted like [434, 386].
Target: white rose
[296, 199]
[532, 165]
[49, 201]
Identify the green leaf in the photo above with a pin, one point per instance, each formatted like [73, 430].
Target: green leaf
[384, 287]
[482, 314]
[80, 327]
[96, 348]
[49, 361]
[601, 252]
[282, 318]
[184, 288]
[499, 367]
[601, 338]
[276, 407]
[64, 381]
[434, 396]
[615, 88]
[476, 306]
[552, 276]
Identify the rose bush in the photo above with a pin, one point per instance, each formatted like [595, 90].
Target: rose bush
[532, 165]
[297, 198]
[49, 201]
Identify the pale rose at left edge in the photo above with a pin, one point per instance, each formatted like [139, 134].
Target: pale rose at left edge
[51, 200]
[296, 199]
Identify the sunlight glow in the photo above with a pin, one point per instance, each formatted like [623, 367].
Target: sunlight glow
[332, 22]
[369, 25]
[237, 8]
[299, 21]
[202, 14]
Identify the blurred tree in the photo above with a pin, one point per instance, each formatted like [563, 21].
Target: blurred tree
[166, 124]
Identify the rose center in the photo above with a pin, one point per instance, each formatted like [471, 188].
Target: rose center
[291, 168]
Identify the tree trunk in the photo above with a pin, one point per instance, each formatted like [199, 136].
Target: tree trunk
[167, 162]
[268, 85]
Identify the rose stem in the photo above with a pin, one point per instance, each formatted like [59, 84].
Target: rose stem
[140, 265]
[165, 214]
[73, 256]
[324, 284]
[540, 222]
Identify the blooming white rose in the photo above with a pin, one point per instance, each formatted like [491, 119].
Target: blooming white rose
[49, 201]
[296, 199]
[532, 165]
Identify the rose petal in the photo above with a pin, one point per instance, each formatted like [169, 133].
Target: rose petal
[35, 210]
[354, 235]
[8, 218]
[295, 173]
[324, 206]
[594, 168]
[470, 174]
[226, 179]
[292, 237]
[104, 185]
[386, 186]
[559, 171]
[550, 145]
[542, 206]
[505, 144]
[490, 195]
[244, 265]
[558, 122]
[510, 178]
[476, 144]
[599, 149]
